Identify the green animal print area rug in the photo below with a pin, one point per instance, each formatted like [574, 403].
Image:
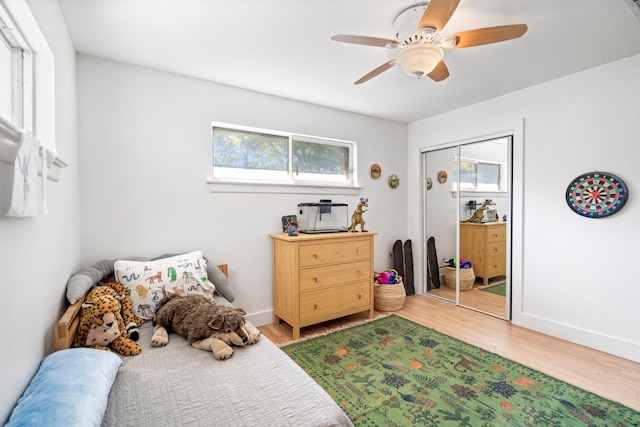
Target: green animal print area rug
[498, 288]
[394, 372]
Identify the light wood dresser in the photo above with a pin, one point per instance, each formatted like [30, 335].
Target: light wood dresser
[485, 245]
[319, 277]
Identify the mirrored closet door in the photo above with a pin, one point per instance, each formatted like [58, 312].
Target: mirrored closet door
[440, 221]
[467, 207]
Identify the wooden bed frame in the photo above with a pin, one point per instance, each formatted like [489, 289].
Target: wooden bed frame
[66, 328]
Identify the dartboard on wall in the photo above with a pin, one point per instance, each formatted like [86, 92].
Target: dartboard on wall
[596, 194]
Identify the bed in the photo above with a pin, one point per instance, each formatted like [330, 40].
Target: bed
[179, 385]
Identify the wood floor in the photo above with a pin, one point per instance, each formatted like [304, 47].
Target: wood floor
[476, 298]
[609, 376]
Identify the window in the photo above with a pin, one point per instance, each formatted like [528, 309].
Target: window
[15, 75]
[27, 86]
[322, 161]
[249, 155]
[480, 176]
[7, 77]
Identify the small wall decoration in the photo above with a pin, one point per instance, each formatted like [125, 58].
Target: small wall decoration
[393, 181]
[375, 171]
[596, 194]
[442, 177]
[429, 183]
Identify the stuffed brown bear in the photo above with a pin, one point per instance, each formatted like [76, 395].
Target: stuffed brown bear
[207, 326]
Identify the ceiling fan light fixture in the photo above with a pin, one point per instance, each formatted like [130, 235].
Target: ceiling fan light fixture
[419, 59]
[449, 42]
[417, 28]
[406, 23]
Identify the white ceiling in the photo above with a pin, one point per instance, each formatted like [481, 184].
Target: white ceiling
[283, 47]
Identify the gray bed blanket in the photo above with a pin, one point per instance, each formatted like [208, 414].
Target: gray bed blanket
[178, 385]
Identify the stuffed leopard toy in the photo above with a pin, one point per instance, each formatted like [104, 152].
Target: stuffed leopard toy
[101, 324]
[109, 286]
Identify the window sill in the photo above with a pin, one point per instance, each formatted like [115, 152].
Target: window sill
[277, 188]
[10, 142]
[55, 169]
[482, 193]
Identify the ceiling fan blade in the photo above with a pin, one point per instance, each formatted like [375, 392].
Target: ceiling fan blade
[483, 36]
[439, 73]
[437, 14]
[371, 74]
[365, 40]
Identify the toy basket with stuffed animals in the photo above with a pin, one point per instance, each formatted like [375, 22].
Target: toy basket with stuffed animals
[389, 297]
[467, 278]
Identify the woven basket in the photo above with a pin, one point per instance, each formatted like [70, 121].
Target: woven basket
[467, 278]
[388, 297]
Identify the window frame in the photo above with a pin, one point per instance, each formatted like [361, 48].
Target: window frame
[290, 184]
[16, 51]
[350, 168]
[36, 109]
[474, 187]
[22, 77]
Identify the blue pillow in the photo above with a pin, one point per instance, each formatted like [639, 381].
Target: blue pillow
[71, 388]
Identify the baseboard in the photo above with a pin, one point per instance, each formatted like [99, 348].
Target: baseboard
[605, 343]
[260, 318]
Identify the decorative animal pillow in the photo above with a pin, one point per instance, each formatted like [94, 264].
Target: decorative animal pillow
[101, 325]
[214, 274]
[149, 281]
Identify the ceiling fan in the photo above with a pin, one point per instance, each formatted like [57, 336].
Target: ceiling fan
[416, 30]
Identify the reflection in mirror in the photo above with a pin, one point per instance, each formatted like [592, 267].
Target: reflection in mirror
[476, 209]
[484, 206]
[440, 220]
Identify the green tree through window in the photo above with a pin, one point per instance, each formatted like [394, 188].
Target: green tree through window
[249, 150]
[309, 157]
[256, 155]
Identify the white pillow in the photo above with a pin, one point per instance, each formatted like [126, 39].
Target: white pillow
[149, 281]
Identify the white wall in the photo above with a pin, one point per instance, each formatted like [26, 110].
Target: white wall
[145, 158]
[39, 254]
[141, 168]
[573, 277]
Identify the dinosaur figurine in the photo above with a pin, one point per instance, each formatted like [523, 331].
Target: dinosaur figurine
[356, 218]
[478, 215]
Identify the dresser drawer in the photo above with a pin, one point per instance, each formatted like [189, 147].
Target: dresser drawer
[496, 249]
[326, 253]
[496, 234]
[323, 304]
[321, 277]
[496, 266]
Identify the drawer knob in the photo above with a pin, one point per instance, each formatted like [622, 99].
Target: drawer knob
[359, 296]
[315, 306]
[315, 256]
[315, 279]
